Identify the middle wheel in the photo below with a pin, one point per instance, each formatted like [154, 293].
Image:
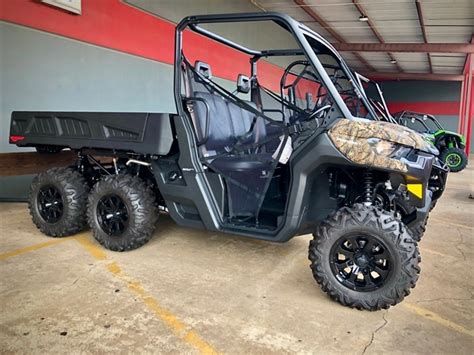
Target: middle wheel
[122, 212]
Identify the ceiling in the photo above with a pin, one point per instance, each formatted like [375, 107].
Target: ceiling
[389, 21]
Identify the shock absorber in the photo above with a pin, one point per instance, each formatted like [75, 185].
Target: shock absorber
[368, 187]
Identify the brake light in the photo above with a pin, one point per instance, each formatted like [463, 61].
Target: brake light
[14, 139]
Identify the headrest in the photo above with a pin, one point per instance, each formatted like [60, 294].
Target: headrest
[203, 68]
[243, 84]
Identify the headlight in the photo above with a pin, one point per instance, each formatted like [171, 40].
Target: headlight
[381, 146]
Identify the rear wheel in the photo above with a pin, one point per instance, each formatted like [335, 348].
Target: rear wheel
[454, 158]
[364, 258]
[122, 212]
[58, 202]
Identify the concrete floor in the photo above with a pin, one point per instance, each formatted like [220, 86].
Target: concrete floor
[194, 291]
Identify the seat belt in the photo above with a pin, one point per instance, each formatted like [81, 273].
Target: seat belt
[189, 94]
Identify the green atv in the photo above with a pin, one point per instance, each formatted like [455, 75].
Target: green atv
[451, 145]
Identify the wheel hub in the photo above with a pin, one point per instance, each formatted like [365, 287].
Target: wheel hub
[361, 262]
[112, 215]
[453, 160]
[50, 204]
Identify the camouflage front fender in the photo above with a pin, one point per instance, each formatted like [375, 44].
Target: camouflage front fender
[351, 138]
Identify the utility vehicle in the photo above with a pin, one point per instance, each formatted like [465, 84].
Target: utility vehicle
[451, 145]
[280, 153]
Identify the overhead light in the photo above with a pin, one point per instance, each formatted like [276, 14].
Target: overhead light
[393, 61]
[363, 18]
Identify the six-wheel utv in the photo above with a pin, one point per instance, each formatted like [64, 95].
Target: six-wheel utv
[282, 152]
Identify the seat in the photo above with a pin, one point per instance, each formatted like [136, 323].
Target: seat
[219, 124]
[213, 123]
[242, 119]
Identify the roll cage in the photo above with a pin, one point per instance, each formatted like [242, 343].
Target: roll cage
[298, 31]
[209, 168]
[379, 104]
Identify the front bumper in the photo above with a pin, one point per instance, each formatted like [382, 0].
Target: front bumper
[424, 180]
[438, 178]
[424, 183]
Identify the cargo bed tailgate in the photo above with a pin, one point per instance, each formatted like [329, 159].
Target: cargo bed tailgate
[139, 132]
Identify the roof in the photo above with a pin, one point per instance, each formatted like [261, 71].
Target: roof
[388, 21]
[424, 28]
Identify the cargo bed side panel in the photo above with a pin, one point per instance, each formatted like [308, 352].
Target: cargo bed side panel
[142, 133]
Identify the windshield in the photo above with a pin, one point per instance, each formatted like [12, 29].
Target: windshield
[419, 122]
[431, 122]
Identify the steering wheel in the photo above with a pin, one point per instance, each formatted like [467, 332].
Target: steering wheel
[319, 112]
[349, 101]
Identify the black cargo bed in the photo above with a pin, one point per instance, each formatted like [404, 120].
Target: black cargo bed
[138, 132]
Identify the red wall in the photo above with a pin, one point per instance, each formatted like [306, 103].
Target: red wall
[441, 108]
[116, 25]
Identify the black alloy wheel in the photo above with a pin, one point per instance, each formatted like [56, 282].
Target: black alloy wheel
[58, 202]
[361, 262]
[112, 215]
[364, 257]
[50, 204]
[122, 212]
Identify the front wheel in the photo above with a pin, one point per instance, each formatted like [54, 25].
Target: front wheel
[419, 228]
[364, 258]
[454, 158]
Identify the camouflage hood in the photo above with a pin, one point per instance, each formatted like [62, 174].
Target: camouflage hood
[361, 128]
[351, 137]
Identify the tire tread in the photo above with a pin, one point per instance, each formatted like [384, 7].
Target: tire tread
[144, 211]
[392, 228]
[76, 189]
